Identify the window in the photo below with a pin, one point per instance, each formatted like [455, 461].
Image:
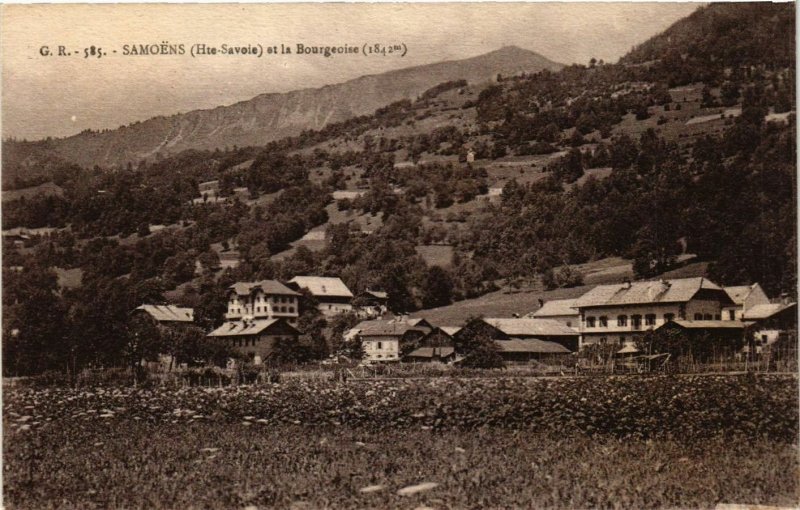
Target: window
[569, 324]
[283, 309]
[717, 317]
[650, 319]
[669, 317]
[698, 316]
[622, 320]
[589, 322]
[682, 311]
[622, 339]
[291, 309]
[636, 320]
[763, 339]
[604, 322]
[379, 345]
[732, 315]
[707, 317]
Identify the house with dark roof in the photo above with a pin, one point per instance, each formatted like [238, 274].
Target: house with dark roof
[332, 294]
[621, 312]
[743, 297]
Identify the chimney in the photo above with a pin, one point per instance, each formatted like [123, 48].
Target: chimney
[628, 283]
[541, 302]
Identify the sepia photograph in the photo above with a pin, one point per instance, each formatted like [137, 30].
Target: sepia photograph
[532, 255]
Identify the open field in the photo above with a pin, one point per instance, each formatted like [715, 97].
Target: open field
[485, 442]
[203, 465]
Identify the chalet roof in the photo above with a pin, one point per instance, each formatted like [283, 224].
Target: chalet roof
[712, 324]
[556, 307]
[431, 352]
[659, 291]
[243, 328]
[451, 330]
[739, 293]
[379, 294]
[168, 313]
[531, 345]
[388, 328]
[765, 311]
[323, 286]
[531, 327]
[419, 322]
[266, 286]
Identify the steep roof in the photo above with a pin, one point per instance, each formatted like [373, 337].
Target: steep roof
[451, 330]
[323, 286]
[739, 293]
[168, 313]
[556, 307]
[531, 327]
[766, 311]
[241, 328]
[379, 294]
[659, 291]
[531, 345]
[267, 286]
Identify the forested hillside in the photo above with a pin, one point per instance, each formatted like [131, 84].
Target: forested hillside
[684, 147]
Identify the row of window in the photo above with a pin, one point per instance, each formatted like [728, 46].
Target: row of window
[278, 309]
[649, 319]
[622, 320]
[260, 299]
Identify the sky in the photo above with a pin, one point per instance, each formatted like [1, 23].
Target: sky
[59, 96]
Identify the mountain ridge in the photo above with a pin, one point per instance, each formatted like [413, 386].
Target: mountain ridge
[272, 116]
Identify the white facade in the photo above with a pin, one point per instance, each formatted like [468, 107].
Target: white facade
[259, 305]
[383, 349]
[621, 323]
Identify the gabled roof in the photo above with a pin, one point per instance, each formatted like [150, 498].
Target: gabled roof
[419, 322]
[531, 345]
[241, 328]
[659, 291]
[765, 311]
[555, 308]
[168, 313]
[266, 286]
[531, 327]
[703, 324]
[451, 330]
[739, 293]
[323, 286]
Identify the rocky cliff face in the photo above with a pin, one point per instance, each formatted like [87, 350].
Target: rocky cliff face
[270, 117]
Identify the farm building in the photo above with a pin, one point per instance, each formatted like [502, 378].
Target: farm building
[744, 297]
[619, 313]
[773, 323]
[520, 350]
[708, 336]
[547, 330]
[437, 345]
[256, 338]
[561, 310]
[332, 294]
